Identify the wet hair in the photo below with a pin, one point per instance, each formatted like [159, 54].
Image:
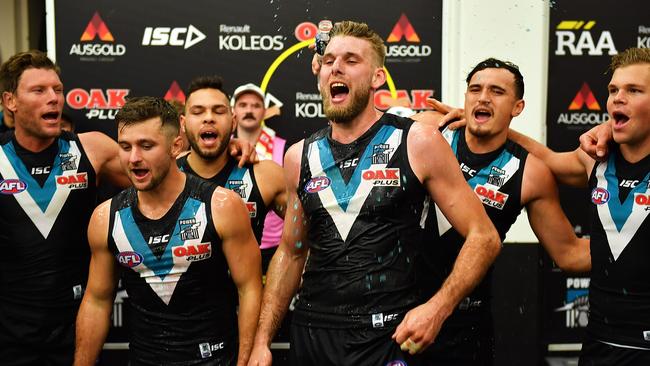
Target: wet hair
[12, 69]
[630, 56]
[206, 82]
[140, 109]
[361, 30]
[493, 63]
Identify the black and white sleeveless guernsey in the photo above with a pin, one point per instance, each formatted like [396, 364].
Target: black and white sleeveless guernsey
[496, 178]
[244, 183]
[364, 205]
[619, 291]
[181, 301]
[46, 200]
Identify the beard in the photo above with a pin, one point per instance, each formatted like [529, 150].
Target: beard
[206, 154]
[341, 114]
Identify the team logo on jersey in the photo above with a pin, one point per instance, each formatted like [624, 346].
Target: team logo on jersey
[599, 196]
[129, 259]
[497, 177]
[68, 161]
[189, 228]
[193, 252]
[381, 153]
[491, 197]
[252, 208]
[73, 181]
[12, 186]
[238, 186]
[317, 184]
[382, 177]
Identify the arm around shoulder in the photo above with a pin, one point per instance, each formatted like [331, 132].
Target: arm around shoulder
[548, 221]
[569, 168]
[103, 153]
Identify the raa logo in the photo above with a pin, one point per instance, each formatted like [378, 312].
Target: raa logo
[578, 43]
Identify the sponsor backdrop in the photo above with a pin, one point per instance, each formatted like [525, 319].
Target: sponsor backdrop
[110, 50]
[583, 37]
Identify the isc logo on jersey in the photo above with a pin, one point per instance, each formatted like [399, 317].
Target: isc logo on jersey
[129, 259]
[577, 38]
[599, 196]
[193, 252]
[12, 186]
[317, 184]
[382, 177]
[73, 181]
[491, 197]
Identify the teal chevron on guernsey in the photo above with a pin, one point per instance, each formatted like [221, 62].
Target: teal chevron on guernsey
[42, 204]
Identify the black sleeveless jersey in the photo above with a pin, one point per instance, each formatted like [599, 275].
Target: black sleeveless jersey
[363, 204]
[46, 200]
[242, 181]
[181, 306]
[496, 178]
[619, 292]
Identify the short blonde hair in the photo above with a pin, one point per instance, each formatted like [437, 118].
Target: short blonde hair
[361, 30]
[630, 56]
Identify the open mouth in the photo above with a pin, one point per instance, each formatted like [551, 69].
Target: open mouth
[209, 137]
[50, 116]
[339, 92]
[620, 118]
[140, 172]
[482, 114]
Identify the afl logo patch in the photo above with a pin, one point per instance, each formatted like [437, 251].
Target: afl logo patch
[317, 184]
[129, 259]
[12, 186]
[599, 196]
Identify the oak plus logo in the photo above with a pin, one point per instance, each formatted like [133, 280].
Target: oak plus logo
[185, 37]
[583, 109]
[403, 32]
[578, 38]
[97, 42]
[414, 99]
[101, 104]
